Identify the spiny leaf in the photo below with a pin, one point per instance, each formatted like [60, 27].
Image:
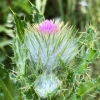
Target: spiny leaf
[91, 55]
[74, 97]
[87, 86]
[37, 16]
[20, 56]
[7, 86]
[87, 58]
[84, 88]
[19, 27]
[24, 5]
[82, 68]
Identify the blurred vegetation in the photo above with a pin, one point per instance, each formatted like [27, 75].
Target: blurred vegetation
[80, 13]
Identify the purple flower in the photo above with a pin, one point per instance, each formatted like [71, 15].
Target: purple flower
[48, 26]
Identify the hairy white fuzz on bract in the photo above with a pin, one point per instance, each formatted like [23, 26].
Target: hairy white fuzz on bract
[46, 84]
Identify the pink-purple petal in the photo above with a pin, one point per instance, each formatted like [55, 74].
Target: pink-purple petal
[48, 26]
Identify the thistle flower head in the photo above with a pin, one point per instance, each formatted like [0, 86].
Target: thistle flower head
[48, 26]
[49, 48]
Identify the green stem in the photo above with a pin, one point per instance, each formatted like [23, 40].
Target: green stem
[61, 9]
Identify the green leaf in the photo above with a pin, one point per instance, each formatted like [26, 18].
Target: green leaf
[2, 28]
[24, 5]
[41, 4]
[90, 35]
[5, 42]
[37, 16]
[2, 56]
[7, 88]
[87, 86]
[19, 27]
[20, 56]
[81, 68]
[74, 97]
[91, 55]
[84, 88]
[86, 59]
[5, 83]
[90, 30]
[29, 93]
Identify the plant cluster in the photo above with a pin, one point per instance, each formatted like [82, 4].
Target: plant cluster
[52, 61]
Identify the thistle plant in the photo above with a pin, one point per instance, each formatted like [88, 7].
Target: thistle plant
[51, 62]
